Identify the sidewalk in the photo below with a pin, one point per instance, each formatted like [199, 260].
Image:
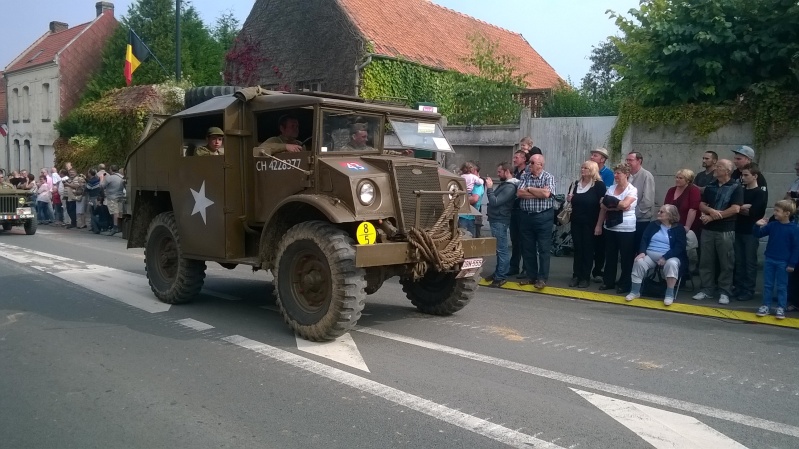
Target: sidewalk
[561, 272]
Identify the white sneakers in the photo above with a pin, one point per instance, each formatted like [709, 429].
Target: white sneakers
[668, 300]
[631, 296]
[723, 299]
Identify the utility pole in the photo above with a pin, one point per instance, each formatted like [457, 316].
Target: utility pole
[177, 40]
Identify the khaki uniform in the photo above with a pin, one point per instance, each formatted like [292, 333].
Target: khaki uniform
[274, 145]
[205, 151]
[6, 185]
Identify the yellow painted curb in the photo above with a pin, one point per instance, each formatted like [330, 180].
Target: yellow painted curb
[690, 309]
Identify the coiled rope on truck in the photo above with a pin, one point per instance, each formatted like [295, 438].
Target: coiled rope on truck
[427, 241]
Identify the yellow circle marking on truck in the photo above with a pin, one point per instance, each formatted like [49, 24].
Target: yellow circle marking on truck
[367, 234]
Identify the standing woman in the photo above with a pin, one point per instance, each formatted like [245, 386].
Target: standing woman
[686, 196]
[617, 221]
[584, 196]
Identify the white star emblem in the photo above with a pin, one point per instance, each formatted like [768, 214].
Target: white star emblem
[201, 202]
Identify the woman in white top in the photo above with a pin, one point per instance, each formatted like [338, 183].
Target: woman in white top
[619, 230]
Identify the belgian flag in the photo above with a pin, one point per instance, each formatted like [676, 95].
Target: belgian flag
[135, 54]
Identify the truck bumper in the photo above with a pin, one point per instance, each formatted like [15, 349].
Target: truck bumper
[401, 253]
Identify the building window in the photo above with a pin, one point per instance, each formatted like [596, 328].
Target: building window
[16, 157]
[15, 105]
[26, 105]
[312, 85]
[26, 157]
[45, 102]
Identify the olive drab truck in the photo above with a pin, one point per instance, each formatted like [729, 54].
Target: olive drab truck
[331, 222]
[16, 209]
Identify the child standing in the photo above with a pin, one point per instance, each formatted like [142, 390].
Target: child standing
[782, 255]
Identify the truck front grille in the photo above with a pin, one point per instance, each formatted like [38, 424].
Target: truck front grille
[8, 204]
[432, 206]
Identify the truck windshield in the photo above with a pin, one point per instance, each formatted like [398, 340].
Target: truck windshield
[420, 135]
[350, 131]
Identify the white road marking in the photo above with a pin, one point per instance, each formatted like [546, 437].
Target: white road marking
[194, 324]
[690, 407]
[660, 428]
[130, 288]
[465, 421]
[342, 350]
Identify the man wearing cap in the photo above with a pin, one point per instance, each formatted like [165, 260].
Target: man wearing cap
[3, 183]
[213, 147]
[289, 127]
[601, 156]
[743, 156]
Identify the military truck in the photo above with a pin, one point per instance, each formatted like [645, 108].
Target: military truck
[17, 210]
[330, 222]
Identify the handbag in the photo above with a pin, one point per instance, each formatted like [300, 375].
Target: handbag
[565, 215]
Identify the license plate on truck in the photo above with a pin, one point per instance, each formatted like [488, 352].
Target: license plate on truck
[470, 267]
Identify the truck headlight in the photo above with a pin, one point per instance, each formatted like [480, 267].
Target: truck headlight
[367, 192]
[21, 200]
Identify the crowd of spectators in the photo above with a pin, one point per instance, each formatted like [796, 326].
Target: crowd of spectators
[66, 198]
[719, 213]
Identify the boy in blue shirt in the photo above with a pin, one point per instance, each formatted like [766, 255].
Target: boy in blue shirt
[782, 255]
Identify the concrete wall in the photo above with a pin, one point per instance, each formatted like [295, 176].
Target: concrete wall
[488, 145]
[668, 149]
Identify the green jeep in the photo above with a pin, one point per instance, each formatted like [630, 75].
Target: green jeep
[17, 210]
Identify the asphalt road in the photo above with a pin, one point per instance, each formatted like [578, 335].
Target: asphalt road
[90, 359]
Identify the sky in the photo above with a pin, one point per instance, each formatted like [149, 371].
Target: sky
[561, 31]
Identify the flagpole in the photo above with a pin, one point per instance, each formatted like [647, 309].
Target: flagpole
[151, 52]
[177, 40]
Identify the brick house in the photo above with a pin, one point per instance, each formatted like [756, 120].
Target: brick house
[46, 81]
[327, 44]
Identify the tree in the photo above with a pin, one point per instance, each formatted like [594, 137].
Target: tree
[225, 30]
[711, 51]
[600, 83]
[489, 97]
[202, 55]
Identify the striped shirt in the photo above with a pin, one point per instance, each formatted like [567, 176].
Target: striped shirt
[537, 204]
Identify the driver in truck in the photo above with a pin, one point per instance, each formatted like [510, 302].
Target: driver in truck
[214, 138]
[286, 141]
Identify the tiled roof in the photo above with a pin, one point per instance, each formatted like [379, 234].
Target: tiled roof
[434, 36]
[46, 48]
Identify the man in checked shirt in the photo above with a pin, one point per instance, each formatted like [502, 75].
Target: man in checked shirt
[536, 194]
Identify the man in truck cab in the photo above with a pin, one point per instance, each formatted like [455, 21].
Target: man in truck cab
[287, 140]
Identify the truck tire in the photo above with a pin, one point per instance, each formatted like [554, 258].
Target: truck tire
[7, 226]
[31, 225]
[439, 293]
[319, 290]
[173, 278]
[196, 95]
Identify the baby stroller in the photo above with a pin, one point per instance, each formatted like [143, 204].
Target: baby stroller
[561, 234]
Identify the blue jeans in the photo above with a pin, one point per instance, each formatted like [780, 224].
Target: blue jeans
[500, 232]
[745, 274]
[535, 229]
[465, 223]
[775, 278]
[43, 212]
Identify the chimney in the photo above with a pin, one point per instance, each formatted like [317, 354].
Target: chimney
[103, 7]
[55, 27]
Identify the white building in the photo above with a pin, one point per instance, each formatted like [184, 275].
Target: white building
[45, 82]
